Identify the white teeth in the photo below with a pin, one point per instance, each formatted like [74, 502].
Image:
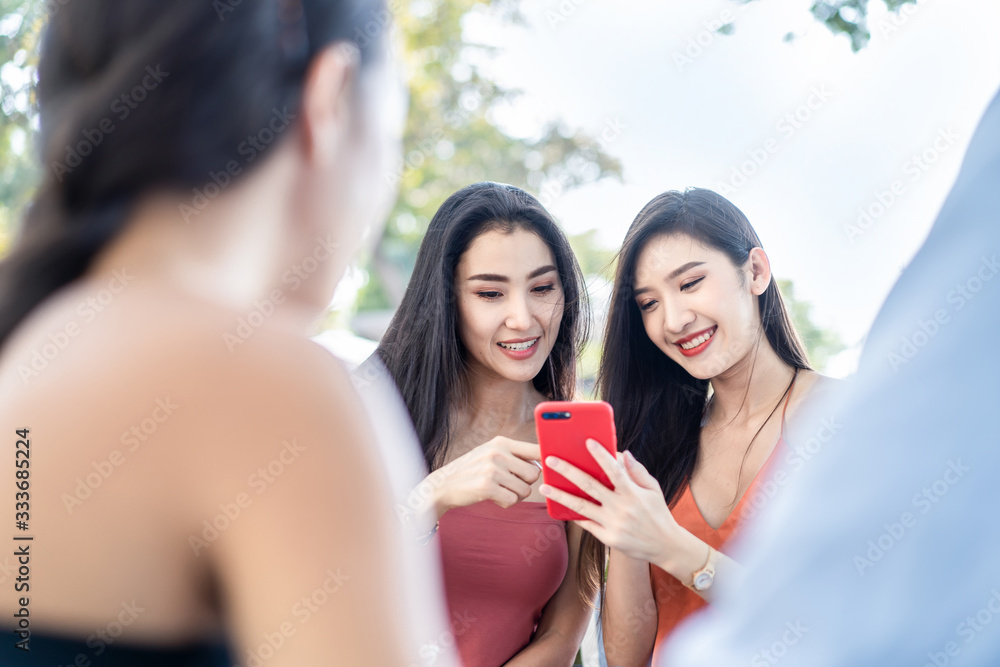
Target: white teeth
[698, 341]
[518, 347]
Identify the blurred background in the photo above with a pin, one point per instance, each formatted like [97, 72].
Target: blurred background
[837, 126]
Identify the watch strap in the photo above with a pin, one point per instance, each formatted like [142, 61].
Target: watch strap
[708, 568]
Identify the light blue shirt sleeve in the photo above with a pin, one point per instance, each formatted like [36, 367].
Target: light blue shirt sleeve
[883, 547]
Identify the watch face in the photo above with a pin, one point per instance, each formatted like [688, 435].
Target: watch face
[703, 581]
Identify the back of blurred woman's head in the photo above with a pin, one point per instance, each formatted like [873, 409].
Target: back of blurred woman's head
[143, 96]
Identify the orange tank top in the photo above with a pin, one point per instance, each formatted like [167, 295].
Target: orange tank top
[674, 600]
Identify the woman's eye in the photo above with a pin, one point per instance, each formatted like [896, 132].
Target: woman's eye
[691, 284]
[542, 289]
[489, 295]
[646, 306]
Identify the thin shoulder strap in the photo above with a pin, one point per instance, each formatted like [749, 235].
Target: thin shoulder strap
[788, 397]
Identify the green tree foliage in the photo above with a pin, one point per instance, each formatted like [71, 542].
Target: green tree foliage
[850, 17]
[842, 17]
[594, 258]
[453, 137]
[453, 134]
[21, 22]
[821, 344]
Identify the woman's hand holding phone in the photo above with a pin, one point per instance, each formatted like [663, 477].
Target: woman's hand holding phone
[632, 516]
[501, 470]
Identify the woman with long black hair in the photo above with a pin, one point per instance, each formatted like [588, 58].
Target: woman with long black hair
[490, 327]
[195, 474]
[694, 308]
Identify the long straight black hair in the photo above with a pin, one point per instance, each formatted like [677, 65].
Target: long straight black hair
[143, 95]
[658, 405]
[422, 349]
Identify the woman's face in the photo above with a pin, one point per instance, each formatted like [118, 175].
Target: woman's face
[510, 303]
[698, 308]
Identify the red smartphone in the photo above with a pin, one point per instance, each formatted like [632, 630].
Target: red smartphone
[563, 429]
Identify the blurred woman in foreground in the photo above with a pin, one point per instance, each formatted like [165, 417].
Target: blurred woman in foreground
[198, 469]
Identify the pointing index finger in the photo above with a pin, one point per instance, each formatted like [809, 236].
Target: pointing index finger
[528, 451]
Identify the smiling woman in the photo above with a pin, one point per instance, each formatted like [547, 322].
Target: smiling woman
[488, 329]
[694, 306]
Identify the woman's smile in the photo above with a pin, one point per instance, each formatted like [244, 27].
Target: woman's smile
[697, 342]
[519, 349]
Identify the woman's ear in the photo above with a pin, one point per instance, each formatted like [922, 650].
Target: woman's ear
[760, 271]
[326, 102]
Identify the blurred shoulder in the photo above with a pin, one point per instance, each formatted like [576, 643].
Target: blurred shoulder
[146, 336]
[278, 372]
[252, 355]
[811, 387]
[276, 397]
[240, 378]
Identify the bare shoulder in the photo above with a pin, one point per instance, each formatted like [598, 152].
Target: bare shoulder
[184, 381]
[197, 393]
[276, 387]
[281, 467]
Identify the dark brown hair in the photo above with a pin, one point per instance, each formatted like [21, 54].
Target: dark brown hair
[143, 95]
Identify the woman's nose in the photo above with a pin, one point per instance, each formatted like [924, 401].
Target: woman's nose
[519, 316]
[676, 316]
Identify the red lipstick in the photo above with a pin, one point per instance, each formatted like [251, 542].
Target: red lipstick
[700, 347]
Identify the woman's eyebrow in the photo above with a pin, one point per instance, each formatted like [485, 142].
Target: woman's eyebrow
[681, 269]
[671, 276]
[490, 277]
[497, 278]
[541, 271]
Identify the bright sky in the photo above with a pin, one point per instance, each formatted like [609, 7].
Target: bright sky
[863, 122]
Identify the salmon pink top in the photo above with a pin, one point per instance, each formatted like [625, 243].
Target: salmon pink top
[501, 567]
[674, 600]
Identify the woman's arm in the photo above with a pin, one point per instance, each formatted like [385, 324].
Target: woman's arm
[630, 618]
[684, 554]
[630, 613]
[564, 620]
[633, 518]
